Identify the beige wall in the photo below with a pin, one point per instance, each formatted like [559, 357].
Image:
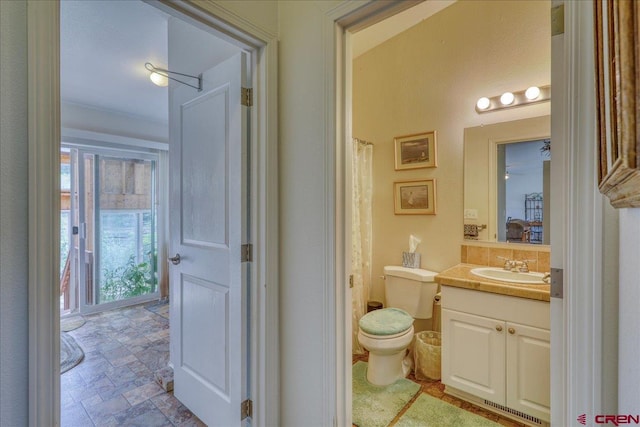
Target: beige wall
[429, 78]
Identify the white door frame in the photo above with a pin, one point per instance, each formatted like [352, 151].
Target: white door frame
[576, 346]
[43, 23]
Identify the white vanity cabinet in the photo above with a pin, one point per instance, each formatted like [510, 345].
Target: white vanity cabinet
[528, 370]
[496, 348]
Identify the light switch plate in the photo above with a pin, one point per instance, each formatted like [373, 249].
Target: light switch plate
[471, 214]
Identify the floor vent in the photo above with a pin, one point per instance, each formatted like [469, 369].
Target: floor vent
[514, 412]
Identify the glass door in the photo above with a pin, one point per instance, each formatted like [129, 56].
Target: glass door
[68, 240]
[117, 229]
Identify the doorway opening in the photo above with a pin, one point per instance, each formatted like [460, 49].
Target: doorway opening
[44, 66]
[116, 135]
[388, 98]
[523, 191]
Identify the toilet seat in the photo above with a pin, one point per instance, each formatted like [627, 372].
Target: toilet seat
[386, 334]
[386, 337]
[386, 323]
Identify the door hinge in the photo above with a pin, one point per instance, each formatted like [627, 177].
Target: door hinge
[246, 98]
[351, 280]
[557, 283]
[246, 253]
[557, 20]
[246, 409]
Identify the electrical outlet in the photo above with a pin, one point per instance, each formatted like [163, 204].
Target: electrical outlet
[471, 214]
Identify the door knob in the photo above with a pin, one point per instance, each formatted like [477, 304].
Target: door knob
[175, 260]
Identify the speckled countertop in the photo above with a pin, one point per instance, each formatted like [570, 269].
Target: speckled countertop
[460, 276]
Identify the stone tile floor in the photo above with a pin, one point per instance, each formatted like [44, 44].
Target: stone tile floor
[436, 389]
[115, 385]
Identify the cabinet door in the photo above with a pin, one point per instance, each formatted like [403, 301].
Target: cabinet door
[473, 354]
[528, 370]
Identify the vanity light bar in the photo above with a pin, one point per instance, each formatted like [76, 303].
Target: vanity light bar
[532, 95]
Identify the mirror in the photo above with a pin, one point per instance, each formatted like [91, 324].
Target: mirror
[515, 209]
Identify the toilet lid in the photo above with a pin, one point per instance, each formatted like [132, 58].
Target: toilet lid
[387, 321]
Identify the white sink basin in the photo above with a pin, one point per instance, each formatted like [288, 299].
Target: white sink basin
[509, 276]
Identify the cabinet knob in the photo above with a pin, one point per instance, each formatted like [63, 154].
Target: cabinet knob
[499, 328]
[512, 331]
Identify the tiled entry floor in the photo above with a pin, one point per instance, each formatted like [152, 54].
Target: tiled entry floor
[114, 385]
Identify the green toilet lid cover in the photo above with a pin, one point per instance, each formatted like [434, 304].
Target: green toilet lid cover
[387, 321]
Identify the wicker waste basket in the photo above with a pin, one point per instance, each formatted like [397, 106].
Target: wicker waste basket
[427, 353]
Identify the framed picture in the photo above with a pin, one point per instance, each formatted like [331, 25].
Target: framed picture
[416, 197]
[416, 151]
[617, 55]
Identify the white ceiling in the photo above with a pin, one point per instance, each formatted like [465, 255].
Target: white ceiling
[104, 45]
[103, 48]
[376, 34]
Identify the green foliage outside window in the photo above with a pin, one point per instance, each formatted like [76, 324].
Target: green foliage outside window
[129, 280]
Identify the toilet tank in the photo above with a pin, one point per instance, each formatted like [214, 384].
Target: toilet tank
[411, 289]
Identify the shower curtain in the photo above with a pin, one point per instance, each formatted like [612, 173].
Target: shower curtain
[361, 230]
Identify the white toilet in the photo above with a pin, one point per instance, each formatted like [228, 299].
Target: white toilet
[387, 333]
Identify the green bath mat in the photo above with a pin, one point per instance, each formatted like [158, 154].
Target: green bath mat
[428, 411]
[375, 406]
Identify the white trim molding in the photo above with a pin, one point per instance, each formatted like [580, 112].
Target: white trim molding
[43, 23]
[82, 137]
[557, 223]
[583, 224]
[347, 17]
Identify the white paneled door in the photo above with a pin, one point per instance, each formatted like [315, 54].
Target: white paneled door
[208, 217]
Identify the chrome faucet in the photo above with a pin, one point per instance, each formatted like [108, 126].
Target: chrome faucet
[509, 264]
[515, 265]
[523, 267]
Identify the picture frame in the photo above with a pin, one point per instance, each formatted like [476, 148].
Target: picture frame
[415, 197]
[617, 55]
[416, 151]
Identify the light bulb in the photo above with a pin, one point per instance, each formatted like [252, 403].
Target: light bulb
[532, 93]
[507, 98]
[483, 103]
[159, 79]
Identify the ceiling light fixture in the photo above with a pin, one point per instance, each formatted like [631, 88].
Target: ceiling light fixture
[161, 77]
[532, 95]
